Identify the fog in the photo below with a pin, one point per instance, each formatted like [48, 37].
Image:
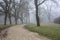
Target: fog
[55, 9]
[49, 6]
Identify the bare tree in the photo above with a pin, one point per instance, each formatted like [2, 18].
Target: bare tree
[9, 10]
[49, 9]
[36, 6]
[48, 12]
[6, 9]
[23, 10]
[15, 9]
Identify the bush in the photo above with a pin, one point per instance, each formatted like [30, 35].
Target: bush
[57, 20]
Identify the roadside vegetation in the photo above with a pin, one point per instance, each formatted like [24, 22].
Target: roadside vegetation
[49, 30]
[2, 27]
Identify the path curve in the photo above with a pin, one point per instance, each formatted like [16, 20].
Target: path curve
[20, 33]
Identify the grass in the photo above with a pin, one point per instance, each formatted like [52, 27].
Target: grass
[49, 30]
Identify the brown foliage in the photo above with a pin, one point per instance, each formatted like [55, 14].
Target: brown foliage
[57, 20]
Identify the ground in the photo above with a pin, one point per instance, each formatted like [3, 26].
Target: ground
[20, 33]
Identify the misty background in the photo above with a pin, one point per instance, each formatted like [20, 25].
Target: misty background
[48, 8]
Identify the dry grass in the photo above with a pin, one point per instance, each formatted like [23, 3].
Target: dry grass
[50, 24]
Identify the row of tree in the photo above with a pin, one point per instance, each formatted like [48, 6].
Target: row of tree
[37, 4]
[18, 10]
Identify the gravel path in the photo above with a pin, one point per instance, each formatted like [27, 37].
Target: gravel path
[20, 33]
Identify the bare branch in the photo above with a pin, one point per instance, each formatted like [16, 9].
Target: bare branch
[55, 2]
[5, 1]
[41, 2]
[1, 5]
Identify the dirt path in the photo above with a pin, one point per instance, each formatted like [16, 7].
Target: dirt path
[20, 33]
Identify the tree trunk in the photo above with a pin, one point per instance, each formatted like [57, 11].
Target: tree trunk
[15, 20]
[9, 14]
[22, 19]
[15, 17]
[37, 17]
[26, 19]
[10, 18]
[5, 19]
